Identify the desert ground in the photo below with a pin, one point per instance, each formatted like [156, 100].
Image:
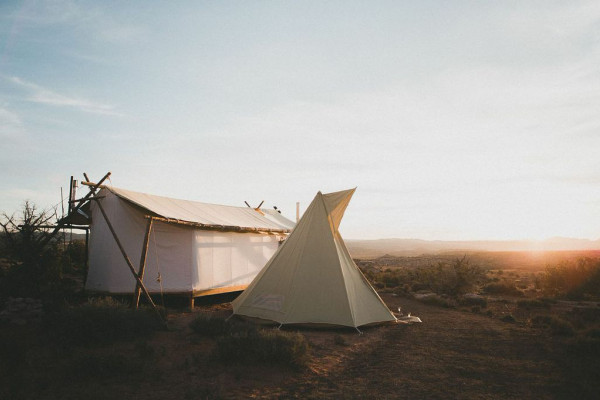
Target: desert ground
[487, 349]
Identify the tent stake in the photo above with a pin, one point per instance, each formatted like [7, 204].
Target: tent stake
[138, 290]
[130, 265]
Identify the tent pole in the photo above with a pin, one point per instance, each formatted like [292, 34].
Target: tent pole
[138, 290]
[76, 207]
[129, 264]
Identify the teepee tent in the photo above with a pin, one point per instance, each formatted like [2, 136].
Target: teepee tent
[311, 279]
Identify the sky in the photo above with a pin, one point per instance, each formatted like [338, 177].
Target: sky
[459, 120]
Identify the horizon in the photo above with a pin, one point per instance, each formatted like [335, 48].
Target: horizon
[454, 120]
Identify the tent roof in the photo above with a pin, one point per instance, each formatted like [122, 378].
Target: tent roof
[205, 214]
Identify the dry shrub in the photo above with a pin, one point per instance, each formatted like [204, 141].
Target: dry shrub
[508, 318]
[211, 325]
[263, 346]
[576, 281]
[99, 322]
[473, 301]
[502, 288]
[438, 301]
[535, 303]
[557, 326]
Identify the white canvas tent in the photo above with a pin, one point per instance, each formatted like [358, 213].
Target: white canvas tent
[312, 279]
[194, 248]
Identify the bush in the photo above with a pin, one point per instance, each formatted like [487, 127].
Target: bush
[508, 318]
[99, 322]
[474, 301]
[104, 366]
[586, 346]
[213, 326]
[270, 347]
[438, 301]
[339, 340]
[503, 288]
[556, 325]
[576, 281]
[536, 303]
[209, 325]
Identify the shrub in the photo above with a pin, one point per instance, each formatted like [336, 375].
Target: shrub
[104, 366]
[99, 322]
[593, 333]
[508, 318]
[213, 326]
[270, 347]
[438, 301]
[209, 325]
[536, 303]
[339, 340]
[474, 301]
[575, 281]
[586, 346]
[556, 325]
[503, 288]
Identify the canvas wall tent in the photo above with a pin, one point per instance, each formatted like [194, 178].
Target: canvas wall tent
[195, 248]
[312, 279]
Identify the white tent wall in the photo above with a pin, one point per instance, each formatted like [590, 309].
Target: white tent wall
[169, 251]
[189, 260]
[229, 259]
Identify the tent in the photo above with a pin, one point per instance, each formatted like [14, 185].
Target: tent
[193, 248]
[312, 279]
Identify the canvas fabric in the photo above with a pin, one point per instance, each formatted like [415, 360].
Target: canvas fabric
[312, 279]
[188, 259]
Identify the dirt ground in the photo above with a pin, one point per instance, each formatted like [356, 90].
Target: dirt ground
[453, 354]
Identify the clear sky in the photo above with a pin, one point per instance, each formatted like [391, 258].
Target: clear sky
[455, 119]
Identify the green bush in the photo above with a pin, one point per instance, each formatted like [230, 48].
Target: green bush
[270, 347]
[99, 322]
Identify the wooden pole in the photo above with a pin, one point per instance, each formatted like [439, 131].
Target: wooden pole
[138, 290]
[70, 195]
[61, 223]
[87, 266]
[129, 264]
[224, 228]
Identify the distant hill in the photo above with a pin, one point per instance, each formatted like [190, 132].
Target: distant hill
[413, 247]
